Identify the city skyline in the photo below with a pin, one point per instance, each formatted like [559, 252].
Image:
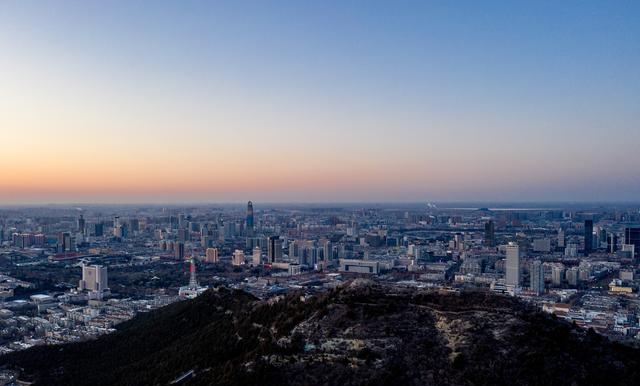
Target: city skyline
[336, 102]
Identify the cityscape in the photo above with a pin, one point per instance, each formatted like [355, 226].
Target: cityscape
[296, 193]
[71, 274]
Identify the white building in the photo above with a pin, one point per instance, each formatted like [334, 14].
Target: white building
[256, 256]
[211, 255]
[94, 280]
[513, 265]
[238, 257]
[537, 277]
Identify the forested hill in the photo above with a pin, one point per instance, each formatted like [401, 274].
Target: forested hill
[360, 334]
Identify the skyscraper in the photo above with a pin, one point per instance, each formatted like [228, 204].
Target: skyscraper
[98, 229]
[275, 249]
[632, 237]
[81, 224]
[537, 277]
[560, 238]
[327, 250]
[238, 257]
[249, 218]
[489, 234]
[612, 242]
[179, 251]
[256, 256]
[513, 265]
[94, 279]
[211, 255]
[64, 241]
[588, 236]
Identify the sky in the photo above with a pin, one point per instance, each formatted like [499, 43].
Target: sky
[319, 101]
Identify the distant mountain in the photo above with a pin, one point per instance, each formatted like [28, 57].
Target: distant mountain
[360, 334]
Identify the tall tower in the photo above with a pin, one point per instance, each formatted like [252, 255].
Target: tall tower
[561, 238]
[489, 234]
[178, 251]
[588, 236]
[537, 277]
[81, 224]
[193, 281]
[612, 242]
[249, 218]
[274, 251]
[513, 264]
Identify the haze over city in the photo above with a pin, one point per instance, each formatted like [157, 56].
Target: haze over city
[117, 102]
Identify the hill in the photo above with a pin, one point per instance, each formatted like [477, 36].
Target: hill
[359, 334]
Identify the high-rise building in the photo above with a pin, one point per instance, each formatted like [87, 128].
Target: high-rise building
[632, 237]
[588, 236]
[81, 224]
[572, 276]
[489, 234]
[275, 249]
[183, 235]
[557, 274]
[134, 225]
[98, 229]
[211, 255]
[249, 219]
[327, 250]
[537, 277]
[560, 238]
[178, 251]
[257, 256]
[513, 265]
[238, 257]
[64, 241]
[293, 249]
[94, 279]
[612, 242]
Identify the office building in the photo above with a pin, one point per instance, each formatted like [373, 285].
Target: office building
[557, 274]
[183, 235]
[94, 280]
[64, 241]
[513, 265]
[327, 250]
[256, 256]
[489, 234]
[542, 245]
[561, 238]
[249, 219]
[178, 251]
[612, 243]
[211, 255]
[572, 276]
[81, 224]
[588, 236]
[98, 229]
[359, 266]
[238, 257]
[536, 276]
[274, 251]
[632, 237]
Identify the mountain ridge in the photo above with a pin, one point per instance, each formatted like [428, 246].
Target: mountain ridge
[361, 333]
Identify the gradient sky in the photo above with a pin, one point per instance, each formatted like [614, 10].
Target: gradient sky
[311, 101]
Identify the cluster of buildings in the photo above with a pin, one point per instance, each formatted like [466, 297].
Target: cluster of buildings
[553, 257]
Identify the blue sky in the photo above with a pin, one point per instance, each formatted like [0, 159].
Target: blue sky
[320, 101]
